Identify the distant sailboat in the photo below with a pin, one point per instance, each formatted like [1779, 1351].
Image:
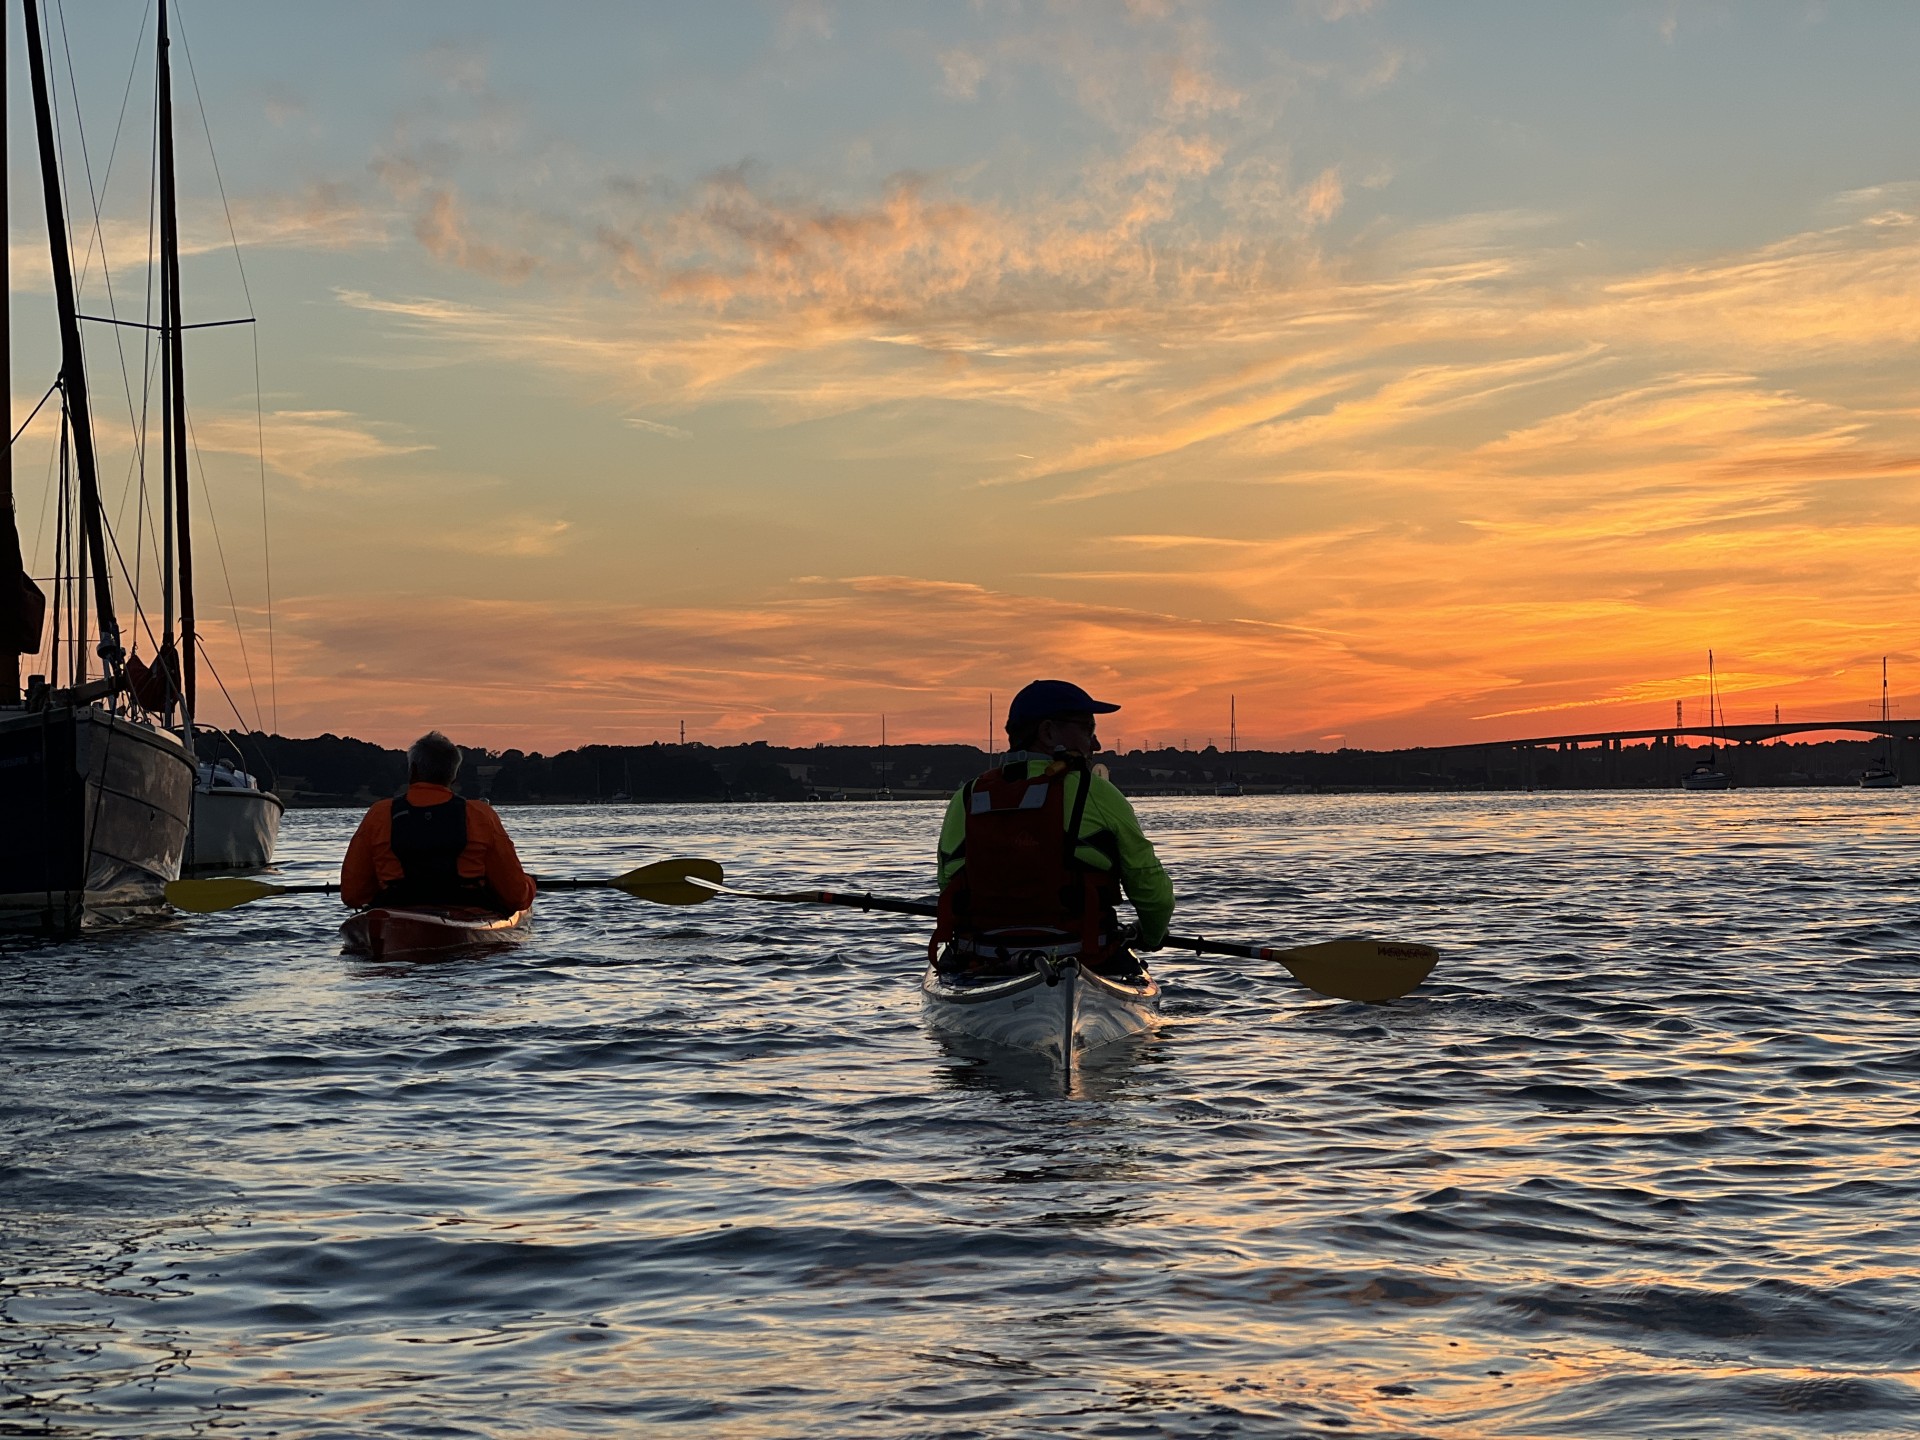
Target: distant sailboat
[1883, 776]
[1708, 775]
[1231, 786]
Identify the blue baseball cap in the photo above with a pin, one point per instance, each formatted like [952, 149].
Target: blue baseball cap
[1044, 699]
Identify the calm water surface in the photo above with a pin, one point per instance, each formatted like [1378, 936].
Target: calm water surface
[1642, 1159]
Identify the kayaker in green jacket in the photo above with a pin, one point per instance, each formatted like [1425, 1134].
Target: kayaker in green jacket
[1009, 879]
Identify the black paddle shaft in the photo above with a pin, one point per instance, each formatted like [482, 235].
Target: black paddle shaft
[887, 903]
[1198, 944]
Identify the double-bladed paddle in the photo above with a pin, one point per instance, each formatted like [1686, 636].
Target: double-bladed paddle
[1350, 969]
[1369, 971]
[665, 882]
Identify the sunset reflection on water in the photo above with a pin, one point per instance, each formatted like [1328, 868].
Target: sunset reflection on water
[1638, 1160]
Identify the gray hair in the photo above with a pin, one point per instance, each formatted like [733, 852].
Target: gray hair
[434, 759]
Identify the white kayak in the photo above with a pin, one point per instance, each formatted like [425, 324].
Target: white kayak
[1058, 1009]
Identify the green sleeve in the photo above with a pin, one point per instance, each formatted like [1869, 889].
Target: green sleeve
[953, 838]
[1141, 874]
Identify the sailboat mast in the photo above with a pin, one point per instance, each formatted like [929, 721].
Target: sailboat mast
[13, 602]
[1713, 735]
[73, 368]
[176, 421]
[1886, 713]
[23, 606]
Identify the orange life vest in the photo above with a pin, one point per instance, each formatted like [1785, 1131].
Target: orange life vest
[1022, 880]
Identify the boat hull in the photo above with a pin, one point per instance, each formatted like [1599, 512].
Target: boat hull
[1706, 780]
[427, 931]
[96, 809]
[1061, 1012]
[233, 829]
[1880, 780]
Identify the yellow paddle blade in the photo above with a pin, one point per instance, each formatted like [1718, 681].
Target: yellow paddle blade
[203, 897]
[1369, 971]
[671, 882]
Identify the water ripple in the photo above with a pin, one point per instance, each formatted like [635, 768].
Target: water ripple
[1640, 1160]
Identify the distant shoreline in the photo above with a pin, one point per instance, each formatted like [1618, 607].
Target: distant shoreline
[332, 771]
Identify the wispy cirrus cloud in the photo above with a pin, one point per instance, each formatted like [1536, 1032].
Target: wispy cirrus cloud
[513, 536]
[1268, 416]
[317, 449]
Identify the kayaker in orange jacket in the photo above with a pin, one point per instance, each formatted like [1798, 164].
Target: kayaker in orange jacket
[431, 846]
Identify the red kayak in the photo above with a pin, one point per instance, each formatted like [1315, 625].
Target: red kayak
[424, 931]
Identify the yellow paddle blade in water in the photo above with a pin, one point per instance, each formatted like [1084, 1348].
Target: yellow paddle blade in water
[1369, 971]
[671, 882]
[203, 897]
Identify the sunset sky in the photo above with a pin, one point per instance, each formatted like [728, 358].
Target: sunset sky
[1414, 373]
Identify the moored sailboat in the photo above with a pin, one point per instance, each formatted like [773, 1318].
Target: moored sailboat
[96, 793]
[1231, 786]
[1707, 774]
[235, 821]
[1882, 775]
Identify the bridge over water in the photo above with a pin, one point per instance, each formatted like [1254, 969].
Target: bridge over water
[1670, 734]
[1604, 757]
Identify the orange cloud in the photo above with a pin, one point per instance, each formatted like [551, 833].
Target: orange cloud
[820, 660]
[1412, 481]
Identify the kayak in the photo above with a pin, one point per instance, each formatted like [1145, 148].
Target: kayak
[427, 930]
[1057, 1009]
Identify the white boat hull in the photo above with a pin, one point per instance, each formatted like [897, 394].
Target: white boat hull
[1706, 780]
[1879, 780]
[1061, 1016]
[233, 829]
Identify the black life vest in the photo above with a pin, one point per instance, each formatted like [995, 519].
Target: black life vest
[428, 841]
[1023, 881]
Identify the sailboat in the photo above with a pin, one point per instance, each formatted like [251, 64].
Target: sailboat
[885, 767]
[1231, 786]
[95, 791]
[1707, 775]
[235, 821]
[1883, 776]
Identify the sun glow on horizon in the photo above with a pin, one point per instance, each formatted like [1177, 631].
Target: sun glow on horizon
[771, 379]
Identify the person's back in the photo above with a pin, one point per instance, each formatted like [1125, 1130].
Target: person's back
[429, 846]
[1035, 852]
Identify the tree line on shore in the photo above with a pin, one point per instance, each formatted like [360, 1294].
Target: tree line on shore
[338, 770]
